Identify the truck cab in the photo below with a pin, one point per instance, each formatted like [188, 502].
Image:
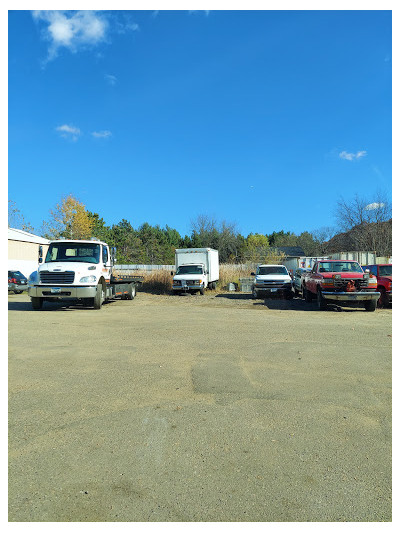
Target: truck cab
[190, 277]
[72, 269]
[383, 273]
[272, 280]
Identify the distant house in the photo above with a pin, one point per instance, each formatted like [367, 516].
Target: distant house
[23, 250]
[292, 256]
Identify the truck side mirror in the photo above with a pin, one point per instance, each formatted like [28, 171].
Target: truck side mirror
[40, 254]
[113, 251]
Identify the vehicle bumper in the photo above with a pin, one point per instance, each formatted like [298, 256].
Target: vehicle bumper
[273, 290]
[66, 292]
[181, 288]
[351, 296]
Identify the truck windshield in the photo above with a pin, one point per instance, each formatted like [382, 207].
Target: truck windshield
[271, 270]
[345, 266]
[385, 270]
[73, 252]
[190, 269]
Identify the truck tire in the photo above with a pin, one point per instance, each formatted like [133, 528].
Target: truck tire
[382, 301]
[306, 294]
[18, 292]
[201, 291]
[37, 303]
[322, 306]
[131, 292]
[370, 305]
[98, 299]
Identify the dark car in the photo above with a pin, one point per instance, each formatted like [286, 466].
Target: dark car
[17, 282]
[297, 279]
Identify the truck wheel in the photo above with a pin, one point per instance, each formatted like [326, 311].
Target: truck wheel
[321, 301]
[37, 303]
[382, 301]
[370, 305]
[131, 292]
[201, 291]
[98, 299]
[18, 292]
[306, 294]
[289, 295]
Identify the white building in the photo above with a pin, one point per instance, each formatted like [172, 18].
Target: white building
[23, 250]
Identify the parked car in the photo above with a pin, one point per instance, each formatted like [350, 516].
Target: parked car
[383, 273]
[299, 272]
[17, 282]
[272, 280]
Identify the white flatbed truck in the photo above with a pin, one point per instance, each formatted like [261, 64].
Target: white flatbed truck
[80, 270]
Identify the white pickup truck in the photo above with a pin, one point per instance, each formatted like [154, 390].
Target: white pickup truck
[79, 270]
[272, 280]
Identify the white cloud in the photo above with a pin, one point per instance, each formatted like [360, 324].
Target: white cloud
[101, 134]
[71, 29]
[351, 156]
[112, 80]
[69, 132]
[374, 205]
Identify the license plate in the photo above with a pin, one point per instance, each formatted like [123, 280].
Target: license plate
[55, 290]
[274, 290]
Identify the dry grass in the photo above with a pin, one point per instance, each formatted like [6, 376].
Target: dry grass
[160, 281]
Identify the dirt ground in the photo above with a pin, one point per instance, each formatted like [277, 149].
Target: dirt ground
[199, 408]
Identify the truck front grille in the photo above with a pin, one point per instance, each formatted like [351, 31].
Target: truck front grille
[341, 284]
[57, 278]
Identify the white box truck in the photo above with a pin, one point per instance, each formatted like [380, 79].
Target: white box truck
[196, 270]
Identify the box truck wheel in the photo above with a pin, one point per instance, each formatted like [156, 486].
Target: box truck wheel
[37, 303]
[98, 299]
[202, 290]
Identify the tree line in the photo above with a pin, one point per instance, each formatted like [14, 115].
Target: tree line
[369, 227]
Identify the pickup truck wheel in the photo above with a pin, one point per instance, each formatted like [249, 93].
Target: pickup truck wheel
[37, 303]
[98, 299]
[18, 292]
[370, 305]
[306, 294]
[382, 301]
[131, 292]
[321, 301]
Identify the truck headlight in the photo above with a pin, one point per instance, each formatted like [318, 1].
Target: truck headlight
[88, 279]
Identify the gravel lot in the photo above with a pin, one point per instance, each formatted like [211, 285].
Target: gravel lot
[199, 408]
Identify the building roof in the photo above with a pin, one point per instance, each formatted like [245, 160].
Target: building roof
[290, 251]
[20, 235]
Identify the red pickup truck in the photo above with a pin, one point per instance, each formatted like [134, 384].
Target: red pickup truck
[333, 281]
[383, 273]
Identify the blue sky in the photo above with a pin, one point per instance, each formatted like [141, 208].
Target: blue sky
[262, 118]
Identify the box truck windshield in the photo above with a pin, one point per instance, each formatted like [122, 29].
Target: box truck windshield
[73, 252]
[190, 269]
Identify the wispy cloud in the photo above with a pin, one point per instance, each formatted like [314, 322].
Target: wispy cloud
[74, 30]
[206, 12]
[69, 132]
[112, 80]
[71, 30]
[374, 205]
[101, 134]
[351, 157]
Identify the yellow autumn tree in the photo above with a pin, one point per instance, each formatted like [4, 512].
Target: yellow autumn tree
[69, 219]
